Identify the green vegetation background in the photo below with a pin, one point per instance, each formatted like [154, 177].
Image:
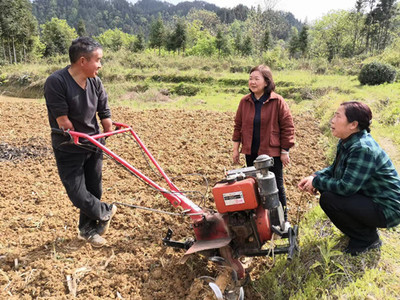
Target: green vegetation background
[148, 81]
[197, 56]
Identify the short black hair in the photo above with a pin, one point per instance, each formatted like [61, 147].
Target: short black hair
[360, 112]
[82, 46]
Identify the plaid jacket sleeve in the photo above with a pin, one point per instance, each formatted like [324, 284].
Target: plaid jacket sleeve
[325, 172]
[357, 167]
[328, 171]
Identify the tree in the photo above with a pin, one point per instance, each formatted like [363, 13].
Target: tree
[332, 35]
[81, 28]
[209, 20]
[138, 44]
[205, 45]
[57, 36]
[369, 22]
[194, 33]
[228, 16]
[270, 4]
[255, 26]
[157, 34]
[380, 24]
[18, 28]
[238, 42]
[180, 36]
[240, 12]
[169, 41]
[219, 41]
[357, 19]
[247, 46]
[303, 40]
[115, 39]
[266, 41]
[294, 43]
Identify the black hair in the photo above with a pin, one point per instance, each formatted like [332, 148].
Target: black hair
[82, 46]
[360, 112]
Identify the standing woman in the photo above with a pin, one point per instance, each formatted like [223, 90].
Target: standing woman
[264, 125]
[360, 191]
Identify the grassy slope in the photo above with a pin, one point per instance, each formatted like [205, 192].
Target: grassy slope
[320, 271]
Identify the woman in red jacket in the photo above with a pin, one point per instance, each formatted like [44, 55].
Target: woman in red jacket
[264, 125]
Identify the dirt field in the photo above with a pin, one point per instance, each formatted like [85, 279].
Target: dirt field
[39, 249]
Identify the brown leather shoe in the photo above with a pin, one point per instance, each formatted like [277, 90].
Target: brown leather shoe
[102, 226]
[93, 238]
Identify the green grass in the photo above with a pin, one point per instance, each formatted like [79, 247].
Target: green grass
[322, 271]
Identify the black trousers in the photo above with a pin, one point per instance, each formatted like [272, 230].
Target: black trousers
[277, 169]
[81, 175]
[357, 216]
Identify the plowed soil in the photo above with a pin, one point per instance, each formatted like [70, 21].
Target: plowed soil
[40, 255]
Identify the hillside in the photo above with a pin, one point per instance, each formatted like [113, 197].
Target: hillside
[100, 15]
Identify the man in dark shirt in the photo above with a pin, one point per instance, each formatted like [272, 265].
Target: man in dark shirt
[73, 96]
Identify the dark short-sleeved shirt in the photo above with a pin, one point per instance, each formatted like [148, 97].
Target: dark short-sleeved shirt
[65, 97]
[361, 166]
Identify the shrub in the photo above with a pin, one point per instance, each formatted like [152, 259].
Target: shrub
[240, 69]
[185, 89]
[233, 82]
[376, 73]
[181, 78]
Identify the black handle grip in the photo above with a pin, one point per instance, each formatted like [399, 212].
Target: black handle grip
[59, 131]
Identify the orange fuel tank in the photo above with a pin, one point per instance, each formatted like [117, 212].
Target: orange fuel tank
[236, 196]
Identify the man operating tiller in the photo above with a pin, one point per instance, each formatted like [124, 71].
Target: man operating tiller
[73, 97]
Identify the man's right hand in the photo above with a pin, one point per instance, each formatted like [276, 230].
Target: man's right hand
[64, 123]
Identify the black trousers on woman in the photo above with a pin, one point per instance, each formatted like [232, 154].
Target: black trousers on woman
[357, 216]
[277, 169]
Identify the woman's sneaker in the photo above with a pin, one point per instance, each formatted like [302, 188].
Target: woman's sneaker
[102, 226]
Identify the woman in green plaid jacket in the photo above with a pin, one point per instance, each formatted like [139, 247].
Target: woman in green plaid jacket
[360, 191]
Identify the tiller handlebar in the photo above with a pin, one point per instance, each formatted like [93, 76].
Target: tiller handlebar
[175, 197]
[209, 227]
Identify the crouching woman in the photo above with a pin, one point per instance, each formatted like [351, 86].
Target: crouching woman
[360, 191]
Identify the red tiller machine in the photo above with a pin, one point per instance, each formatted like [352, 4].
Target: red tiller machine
[248, 211]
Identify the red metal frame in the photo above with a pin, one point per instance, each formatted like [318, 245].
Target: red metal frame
[175, 197]
[210, 228]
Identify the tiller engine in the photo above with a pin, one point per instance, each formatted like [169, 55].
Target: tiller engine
[248, 214]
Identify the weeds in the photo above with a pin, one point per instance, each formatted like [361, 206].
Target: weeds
[327, 264]
[322, 271]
